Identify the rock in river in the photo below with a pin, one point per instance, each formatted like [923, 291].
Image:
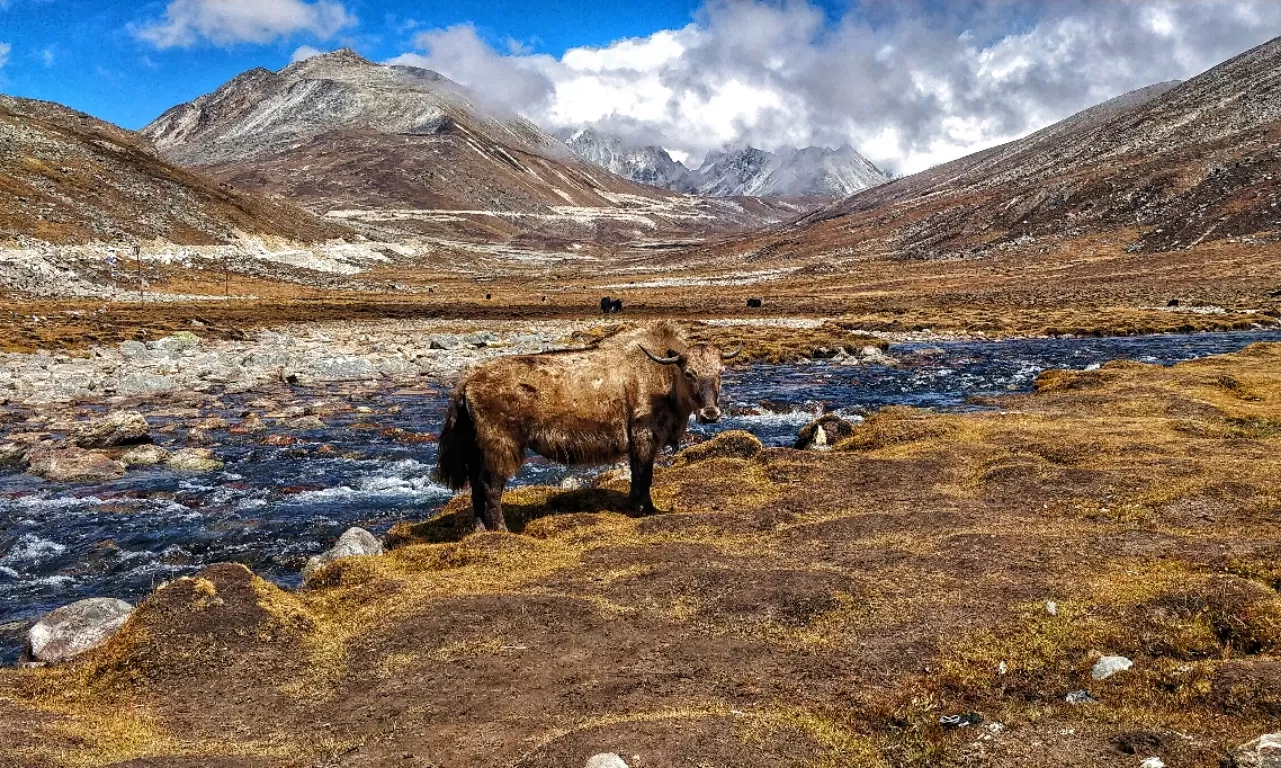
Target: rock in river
[144, 456]
[355, 542]
[74, 465]
[73, 629]
[119, 428]
[194, 460]
[1263, 752]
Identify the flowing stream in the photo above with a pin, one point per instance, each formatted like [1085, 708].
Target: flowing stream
[272, 507]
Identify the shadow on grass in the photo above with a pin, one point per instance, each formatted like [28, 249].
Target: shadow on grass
[518, 513]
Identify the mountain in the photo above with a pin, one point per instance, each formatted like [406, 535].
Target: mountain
[406, 148]
[789, 172]
[1169, 167]
[743, 172]
[68, 178]
[644, 164]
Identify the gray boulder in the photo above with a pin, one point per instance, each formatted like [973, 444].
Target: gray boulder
[1263, 752]
[355, 542]
[1110, 665]
[74, 465]
[118, 428]
[605, 760]
[341, 369]
[73, 629]
[141, 383]
[194, 460]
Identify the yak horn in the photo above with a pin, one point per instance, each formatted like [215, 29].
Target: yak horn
[660, 360]
[733, 354]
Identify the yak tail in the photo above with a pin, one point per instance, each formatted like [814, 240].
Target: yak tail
[459, 450]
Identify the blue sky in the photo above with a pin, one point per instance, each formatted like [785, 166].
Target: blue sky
[908, 83]
[87, 53]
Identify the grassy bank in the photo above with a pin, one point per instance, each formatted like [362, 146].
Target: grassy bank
[789, 608]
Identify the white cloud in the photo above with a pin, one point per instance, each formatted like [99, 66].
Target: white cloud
[303, 53]
[48, 56]
[226, 22]
[5, 48]
[911, 90]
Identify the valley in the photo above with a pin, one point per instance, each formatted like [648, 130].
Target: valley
[992, 424]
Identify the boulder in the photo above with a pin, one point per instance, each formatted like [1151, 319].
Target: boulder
[1263, 752]
[144, 456]
[119, 428]
[194, 460]
[141, 384]
[74, 465]
[823, 433]
[355, 542]
[73, 629]
[606, 760]
[1110, 665]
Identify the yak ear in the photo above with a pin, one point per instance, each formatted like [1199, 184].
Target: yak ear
[671, 359]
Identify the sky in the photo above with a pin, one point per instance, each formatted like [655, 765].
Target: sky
[908, 83]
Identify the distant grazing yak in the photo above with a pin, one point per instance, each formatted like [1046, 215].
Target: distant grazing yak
[754, 303]
[628, 396]
[610, 306]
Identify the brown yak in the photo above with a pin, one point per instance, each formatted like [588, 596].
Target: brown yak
[629, 395]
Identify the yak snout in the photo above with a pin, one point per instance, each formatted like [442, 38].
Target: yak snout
[709, 415]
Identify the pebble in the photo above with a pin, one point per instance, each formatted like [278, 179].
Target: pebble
[605, 760]
[1081, 697]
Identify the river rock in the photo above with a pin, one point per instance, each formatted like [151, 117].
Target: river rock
[1110, 665]
[731, 444]
[144, 456]
[1263, 752]
[73, 629]
[74, 465]
[340, 369]
[141, 384]
[605, 760]
[119, 428]
[355, 542]
[194, 460]
[823, 433]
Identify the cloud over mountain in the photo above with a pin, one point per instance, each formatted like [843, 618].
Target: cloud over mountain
[907, 84]
[227, 22]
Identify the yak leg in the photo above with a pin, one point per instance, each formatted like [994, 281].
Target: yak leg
[492, 513]
[643, 451]
[486, 504]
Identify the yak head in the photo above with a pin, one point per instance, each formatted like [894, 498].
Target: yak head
[699, 377]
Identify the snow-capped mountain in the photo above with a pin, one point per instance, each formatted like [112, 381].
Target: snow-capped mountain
[789, 172]
[743, 172]
[644, 164]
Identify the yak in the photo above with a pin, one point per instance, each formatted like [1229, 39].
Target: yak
[610, 306]
[754, 303]
[629, 396]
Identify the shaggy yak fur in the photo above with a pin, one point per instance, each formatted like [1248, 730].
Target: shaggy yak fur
[629, 395]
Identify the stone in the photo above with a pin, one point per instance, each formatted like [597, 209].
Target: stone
[1081, 697]
[355, 542]
[118, 428]
[305, 423]
[605, 760]
[144, 456]
[1263, 752]
[731, 444]
[1152, 762]
[341, 369]
[12, 453]
[141, 383]
[73, 629]
[1110, 665]
[823, 433]
[74, 465]
[211, 423]
[194, 460]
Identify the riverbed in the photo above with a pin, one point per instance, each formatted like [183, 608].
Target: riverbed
[288, 491]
